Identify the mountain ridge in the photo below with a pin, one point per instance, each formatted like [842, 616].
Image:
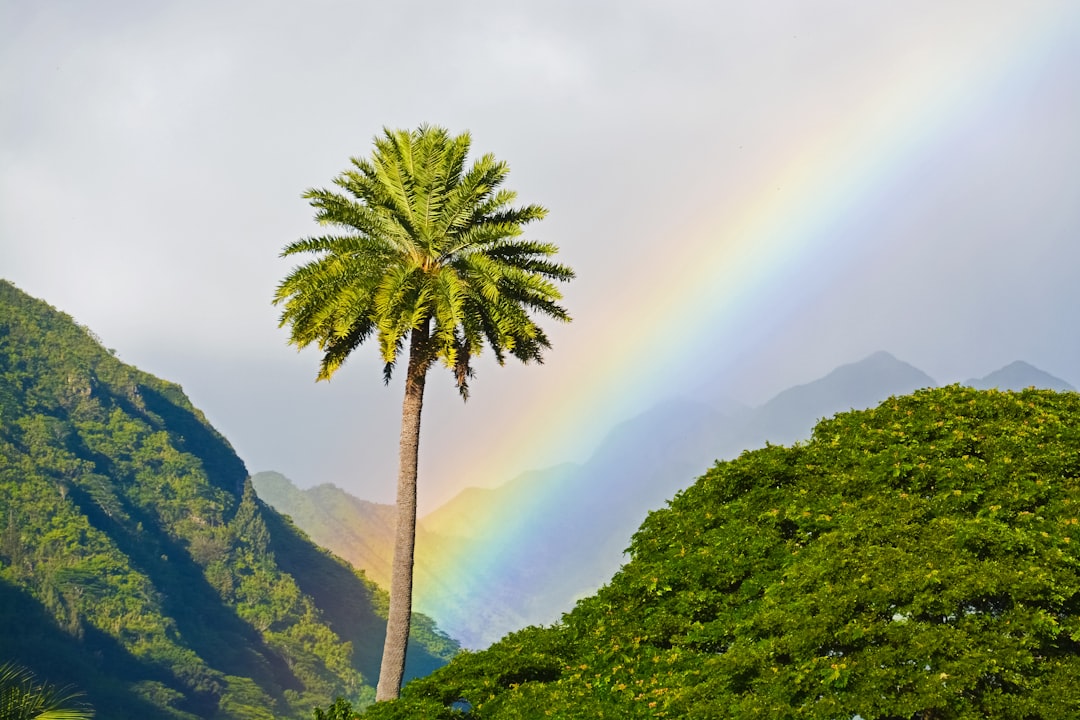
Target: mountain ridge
[137, 563]
[520, 529]
[1019, 375]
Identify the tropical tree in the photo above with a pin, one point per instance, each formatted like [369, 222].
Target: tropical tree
[428, 252]
[24, 697]
[913, 561]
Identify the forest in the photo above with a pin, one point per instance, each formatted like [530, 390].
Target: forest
[136, 562]
[911, 561]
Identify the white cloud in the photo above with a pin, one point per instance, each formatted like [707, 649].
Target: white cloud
[152, 157]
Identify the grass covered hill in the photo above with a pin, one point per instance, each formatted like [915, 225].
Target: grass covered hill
[914, 561]
[136, 562]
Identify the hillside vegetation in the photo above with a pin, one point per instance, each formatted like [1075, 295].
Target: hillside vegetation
[918, 560]
[136, 562]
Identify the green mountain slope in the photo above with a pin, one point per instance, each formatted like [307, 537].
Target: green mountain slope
[136, 561]
[917, 560]
[450, 571]
[359, 531]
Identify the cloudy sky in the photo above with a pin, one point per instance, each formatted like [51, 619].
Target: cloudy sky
[751, 193]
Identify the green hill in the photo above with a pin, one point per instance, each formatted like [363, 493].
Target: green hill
[136, 562]
[918, 560]
[358, 531]
[449, 574]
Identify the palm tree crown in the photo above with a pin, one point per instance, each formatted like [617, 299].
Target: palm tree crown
[425, 241]
[24, 697]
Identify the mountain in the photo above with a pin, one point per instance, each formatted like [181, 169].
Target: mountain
[362, 530]
[1018, 376]
[914, 560]
[362, 533]
[587, 512]
[789, 416]
[493, 560]
[137, 563]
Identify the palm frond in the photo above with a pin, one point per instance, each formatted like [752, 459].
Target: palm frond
[423, 240]
[24, 697]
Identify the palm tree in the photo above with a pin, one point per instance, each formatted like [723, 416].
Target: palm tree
[427, 251]
[23, 697]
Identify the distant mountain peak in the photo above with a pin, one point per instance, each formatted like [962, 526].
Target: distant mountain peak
[882, 360]
[790, 415]
[493, 560]
[881, 372]
[880, 355]
[1019, 375]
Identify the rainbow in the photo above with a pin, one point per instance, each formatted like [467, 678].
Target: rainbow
[784, 226]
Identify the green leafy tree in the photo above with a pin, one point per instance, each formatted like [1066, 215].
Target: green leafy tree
[916, 561]
[24, 697]
[429, 253]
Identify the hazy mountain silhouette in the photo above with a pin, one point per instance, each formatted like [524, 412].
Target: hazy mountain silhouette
[330, 516]
[521, 553]
[1018, 376]
[791, 415]
[362, 533]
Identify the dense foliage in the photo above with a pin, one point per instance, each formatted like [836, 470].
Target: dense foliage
[137, 564]
[913, 561]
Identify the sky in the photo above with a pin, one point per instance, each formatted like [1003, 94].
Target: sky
[751, 194]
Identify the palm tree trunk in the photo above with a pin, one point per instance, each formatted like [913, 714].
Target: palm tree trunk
[401, 573]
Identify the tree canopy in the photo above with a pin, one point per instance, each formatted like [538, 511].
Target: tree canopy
[417, 237]
[918, 560]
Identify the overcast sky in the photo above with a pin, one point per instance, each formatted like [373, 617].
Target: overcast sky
[752, 193]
